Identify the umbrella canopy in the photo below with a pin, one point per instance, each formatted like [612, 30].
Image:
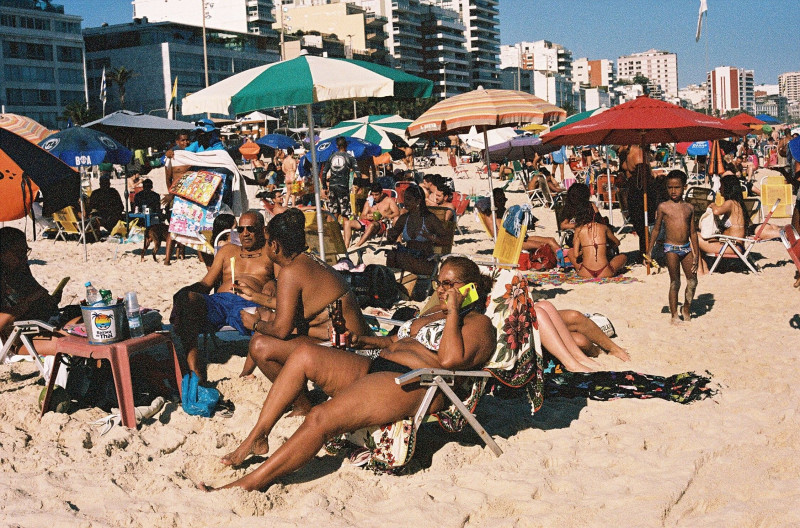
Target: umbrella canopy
[488, 108]
[24, 126]
[301, 81]
[697, 148]
[794, 148]
[643, 121]
[84, 147]
[494, 136]
[745, 119]
[355, 146]
[518, 148]
[578, 117]
[277, 141]
[137, 130]
[383, 130]
[767, 119]
[26, 169]
[533, 127]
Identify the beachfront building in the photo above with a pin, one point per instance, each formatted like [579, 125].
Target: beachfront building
[694, 97]
[158, 53]
[789, 85]
[593, 73]
[481, 20]
[41, 60]
[730, 89]
[239, 16]
[775, 105]
[444, 51]
[660, 68]
[551, 67]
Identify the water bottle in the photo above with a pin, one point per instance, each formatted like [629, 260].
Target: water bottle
[134, 316]
[93, 297]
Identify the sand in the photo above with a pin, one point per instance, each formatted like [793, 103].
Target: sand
[727, 461]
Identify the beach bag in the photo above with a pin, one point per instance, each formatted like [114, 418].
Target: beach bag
[197, 400]
[542, 258]
[708, 225]
[603, 322]
[384, 291]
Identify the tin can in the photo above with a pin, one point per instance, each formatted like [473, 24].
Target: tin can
[107, 298]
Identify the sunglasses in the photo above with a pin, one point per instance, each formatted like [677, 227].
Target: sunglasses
[446, 284]
[248, 228]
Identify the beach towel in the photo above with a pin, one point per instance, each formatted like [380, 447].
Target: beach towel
[516, 217]
[556, 278]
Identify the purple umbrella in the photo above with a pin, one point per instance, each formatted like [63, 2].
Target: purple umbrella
[519, 148]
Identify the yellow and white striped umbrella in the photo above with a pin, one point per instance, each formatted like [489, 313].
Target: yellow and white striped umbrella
[25, 127]
[484, 109]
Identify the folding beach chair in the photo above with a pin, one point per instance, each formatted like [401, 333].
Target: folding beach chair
[460, 202]
[550, 199]
[68, 223]
[516, 362]
[536, 196]
[459, 170]
[332, 237]
[24, 331]
[558, 209]
[400, 191]
[700, 199]
[741, 246]
[774, 188]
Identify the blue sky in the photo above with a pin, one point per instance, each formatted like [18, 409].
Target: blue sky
[761, 35]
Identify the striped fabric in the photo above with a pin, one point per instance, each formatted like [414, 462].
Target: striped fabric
[24, 126]
[383, 130]
[490, 108]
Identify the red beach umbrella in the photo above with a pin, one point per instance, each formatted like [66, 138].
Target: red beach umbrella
[745, 119]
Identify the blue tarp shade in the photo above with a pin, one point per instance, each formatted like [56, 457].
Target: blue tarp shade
[768, 119]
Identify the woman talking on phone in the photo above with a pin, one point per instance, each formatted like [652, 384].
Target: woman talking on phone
[453, 335]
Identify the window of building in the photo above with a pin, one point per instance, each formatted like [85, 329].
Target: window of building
[69, 54]
[69, 96]
[62, 26]
[8, 20]
[66, 76]
[18, 73]
[40, 24]
[26, 97]
[27, 50]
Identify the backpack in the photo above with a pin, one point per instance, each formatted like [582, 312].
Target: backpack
[543, 258]
[384, 291]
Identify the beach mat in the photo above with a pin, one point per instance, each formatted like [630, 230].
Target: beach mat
[557, 278]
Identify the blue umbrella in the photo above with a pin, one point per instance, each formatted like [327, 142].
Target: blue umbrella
[794, 148]
[355, 146]
[84, 147]
[698, 148]
[277, 141]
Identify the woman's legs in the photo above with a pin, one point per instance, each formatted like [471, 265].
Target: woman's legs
[557, 339]
[330, 368]
[578, 323]
[369, 400]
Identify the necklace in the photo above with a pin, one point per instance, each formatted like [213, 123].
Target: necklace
[249, 255]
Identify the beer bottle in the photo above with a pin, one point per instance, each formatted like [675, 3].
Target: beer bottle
[340, 334]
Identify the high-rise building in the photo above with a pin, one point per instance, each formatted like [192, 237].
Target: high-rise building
[444, 51]
[660, 68]
[158, 53]
[480, 18]
[41, 60]
[593, 73]
[551, 67]
[241, 16]
[789, 85]
[730, 89]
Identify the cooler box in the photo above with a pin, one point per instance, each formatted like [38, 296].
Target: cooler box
[105, 324]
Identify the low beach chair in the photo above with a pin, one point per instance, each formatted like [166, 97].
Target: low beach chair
[558, 209]
[332, 237]
[774, 188]
[459, 170]
[536, 195]
[791, 240]
[461, 203]
[23, 331]
[517, 362]
[68, 223]
[550, 199]
[737, 243]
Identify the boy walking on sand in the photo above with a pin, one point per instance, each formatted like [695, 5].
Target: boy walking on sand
[680, 243]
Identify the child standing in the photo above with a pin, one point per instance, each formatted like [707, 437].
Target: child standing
[680, 243]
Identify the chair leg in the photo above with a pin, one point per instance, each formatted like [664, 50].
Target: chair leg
[473, 422]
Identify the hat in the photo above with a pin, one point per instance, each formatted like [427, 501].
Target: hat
[204, 125]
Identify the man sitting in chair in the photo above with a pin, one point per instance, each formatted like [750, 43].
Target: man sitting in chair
[195, 310]
[378, 212]
[107, 203]
[532, 242]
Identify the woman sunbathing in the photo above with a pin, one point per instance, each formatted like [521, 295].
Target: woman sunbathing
[363, 390]
[591, 241]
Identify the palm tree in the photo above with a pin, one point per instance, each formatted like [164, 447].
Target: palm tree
[77, 113]
[121, 76]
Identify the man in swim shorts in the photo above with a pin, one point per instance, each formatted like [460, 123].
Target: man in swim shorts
[379, 210]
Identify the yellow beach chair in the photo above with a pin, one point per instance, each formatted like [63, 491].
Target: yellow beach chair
[775, 188]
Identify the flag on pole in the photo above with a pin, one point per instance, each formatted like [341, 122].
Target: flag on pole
[703, 9]
[103, 90]
[172, 98]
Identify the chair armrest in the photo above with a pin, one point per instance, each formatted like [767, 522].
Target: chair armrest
[425, 376]
[728, 237]
[33, 325]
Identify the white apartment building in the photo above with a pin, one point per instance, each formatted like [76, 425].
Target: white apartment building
[240, 16]
[789, 85]
[695, 96]
[730, 89]
[660, 67]
[593, 73]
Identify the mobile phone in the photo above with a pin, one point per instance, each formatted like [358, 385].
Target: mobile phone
[470, 294]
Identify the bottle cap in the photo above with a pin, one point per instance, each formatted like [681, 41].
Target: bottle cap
[131, 302]
[88, 283]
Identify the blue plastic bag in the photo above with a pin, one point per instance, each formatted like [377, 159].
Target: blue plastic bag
[197, 400]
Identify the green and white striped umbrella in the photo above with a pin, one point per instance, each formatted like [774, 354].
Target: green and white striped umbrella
[301, 81]
[381, 130]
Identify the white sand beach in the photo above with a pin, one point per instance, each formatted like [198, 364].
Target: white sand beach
[730, 460]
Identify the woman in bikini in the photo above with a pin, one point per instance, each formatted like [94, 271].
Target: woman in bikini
[732, 219]
[591, 241]
[418, 231]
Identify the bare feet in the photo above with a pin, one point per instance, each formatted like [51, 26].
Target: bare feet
[687, 313]
[797, 283]
[676, 320]
[202, 487]
[260, 446]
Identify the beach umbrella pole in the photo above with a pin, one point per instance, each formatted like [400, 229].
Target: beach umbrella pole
[83, 217]
[608, 181]
[316, 177]
[645, 150]
[489, 175]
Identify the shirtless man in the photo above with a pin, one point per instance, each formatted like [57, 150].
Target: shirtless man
[307, 286]
[374, 218]
[195, 310]
[408, 158]
[637, 172]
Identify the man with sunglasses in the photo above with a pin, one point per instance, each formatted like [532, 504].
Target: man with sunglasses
[196, 311]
